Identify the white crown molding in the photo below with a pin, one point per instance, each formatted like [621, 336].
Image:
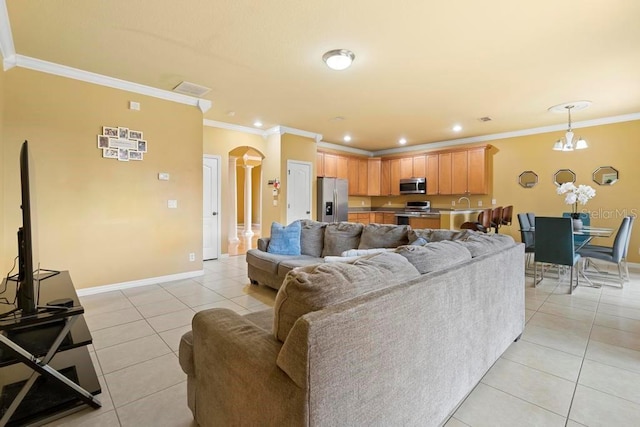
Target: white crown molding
[136, 283]
[102, 80]
[353, 150]
[230, 126]
[7, 48]
[512, 134]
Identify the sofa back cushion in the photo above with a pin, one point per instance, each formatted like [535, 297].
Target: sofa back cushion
[434, 256]
[480, 244]
[285, 240]
[384, 236]
[435, 235]
[312, 237]
[315, 287]
[341, 236]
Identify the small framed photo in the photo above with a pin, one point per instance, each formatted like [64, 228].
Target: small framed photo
[142, 146]
[123, 133]
[110, 153]
[103, 141]
[135, 134]
[135, 155]
[109, 131]
[123, 154]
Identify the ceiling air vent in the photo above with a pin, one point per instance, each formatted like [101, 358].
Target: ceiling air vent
[485, 119]
[191, 89]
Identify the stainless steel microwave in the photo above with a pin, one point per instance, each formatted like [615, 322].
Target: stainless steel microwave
[413, 186]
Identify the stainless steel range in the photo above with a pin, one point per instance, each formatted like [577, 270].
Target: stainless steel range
[413, 209]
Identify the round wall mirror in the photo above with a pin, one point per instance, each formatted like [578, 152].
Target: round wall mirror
[528, 179]
[564, 175]
[605, 175]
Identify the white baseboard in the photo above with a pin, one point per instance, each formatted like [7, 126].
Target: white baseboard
[634, 266]
[141, 282]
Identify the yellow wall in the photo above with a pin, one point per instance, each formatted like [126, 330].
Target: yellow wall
[220, 142]
[271, 170]
[4, 256]
[302, 149]
[105, 221]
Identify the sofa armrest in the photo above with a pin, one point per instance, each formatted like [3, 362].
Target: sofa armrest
[238, 380]
[263, 243]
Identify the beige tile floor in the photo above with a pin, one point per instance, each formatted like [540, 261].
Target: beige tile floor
[578, 362]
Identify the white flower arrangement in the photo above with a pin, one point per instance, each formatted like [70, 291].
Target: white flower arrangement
[574, 195]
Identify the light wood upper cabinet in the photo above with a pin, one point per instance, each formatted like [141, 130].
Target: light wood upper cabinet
[374, 177]
[363, 177]
[319, 163]
[385, 177]
[432, 173]
[459, 172]
[406, 167]
[477, 177]
[444, 173]
[343, 163]
[353, 173]
[419, 166]
[395, 177]
[330, 165]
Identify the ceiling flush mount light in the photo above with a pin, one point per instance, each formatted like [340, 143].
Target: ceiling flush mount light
[566, 143]
[338, 59]
[402, 141]
[457, 128]
[347, 138]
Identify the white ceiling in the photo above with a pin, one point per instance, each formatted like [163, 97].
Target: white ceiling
[421, 66]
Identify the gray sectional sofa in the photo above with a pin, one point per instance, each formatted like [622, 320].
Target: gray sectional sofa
[393, 338]
[322, 241]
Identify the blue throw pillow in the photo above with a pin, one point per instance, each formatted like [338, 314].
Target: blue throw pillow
[285, 240]
[420, 241]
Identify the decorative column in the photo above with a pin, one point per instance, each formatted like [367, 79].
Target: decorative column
[247, 200]
[233, 200]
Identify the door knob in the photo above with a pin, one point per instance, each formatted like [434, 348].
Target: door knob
[214, 213]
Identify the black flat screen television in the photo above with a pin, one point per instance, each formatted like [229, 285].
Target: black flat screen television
[29, 274]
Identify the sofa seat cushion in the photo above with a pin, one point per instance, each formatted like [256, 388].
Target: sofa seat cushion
[341, 236]
[269, 262]
[287, 265]
[383, 236]
[312, 237]
[315, 287]
[434, 256]
[480, 244]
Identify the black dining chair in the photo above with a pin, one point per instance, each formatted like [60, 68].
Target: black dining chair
[614, 254]
[554, 245]
[527, 236]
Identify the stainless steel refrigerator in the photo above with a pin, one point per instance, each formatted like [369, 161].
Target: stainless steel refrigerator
[333, 199]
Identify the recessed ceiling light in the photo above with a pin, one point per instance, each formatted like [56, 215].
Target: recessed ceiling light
[338, 59]
[402, 141]
[257, 124]
[347, 138]
[457, 128]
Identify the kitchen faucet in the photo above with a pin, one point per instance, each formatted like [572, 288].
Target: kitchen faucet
[467, 199]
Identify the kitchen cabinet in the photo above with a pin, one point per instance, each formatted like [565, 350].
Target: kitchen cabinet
[420, 166]
[330, 165]
[459, 172]
[363, 177]
[432, 173]
[352, 217]
[419, 222]
[385, 177]
[389, 218]
[342, 166]
[373, 177]
[363, 218]
[319, 163]
[406, 168]
[444, 173]
[477, 174]
[395, 177]
[376, 217]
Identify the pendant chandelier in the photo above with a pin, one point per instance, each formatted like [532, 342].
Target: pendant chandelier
[566, 143]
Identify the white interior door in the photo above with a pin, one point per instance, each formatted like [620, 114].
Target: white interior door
[298, 190]
[210, 206]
